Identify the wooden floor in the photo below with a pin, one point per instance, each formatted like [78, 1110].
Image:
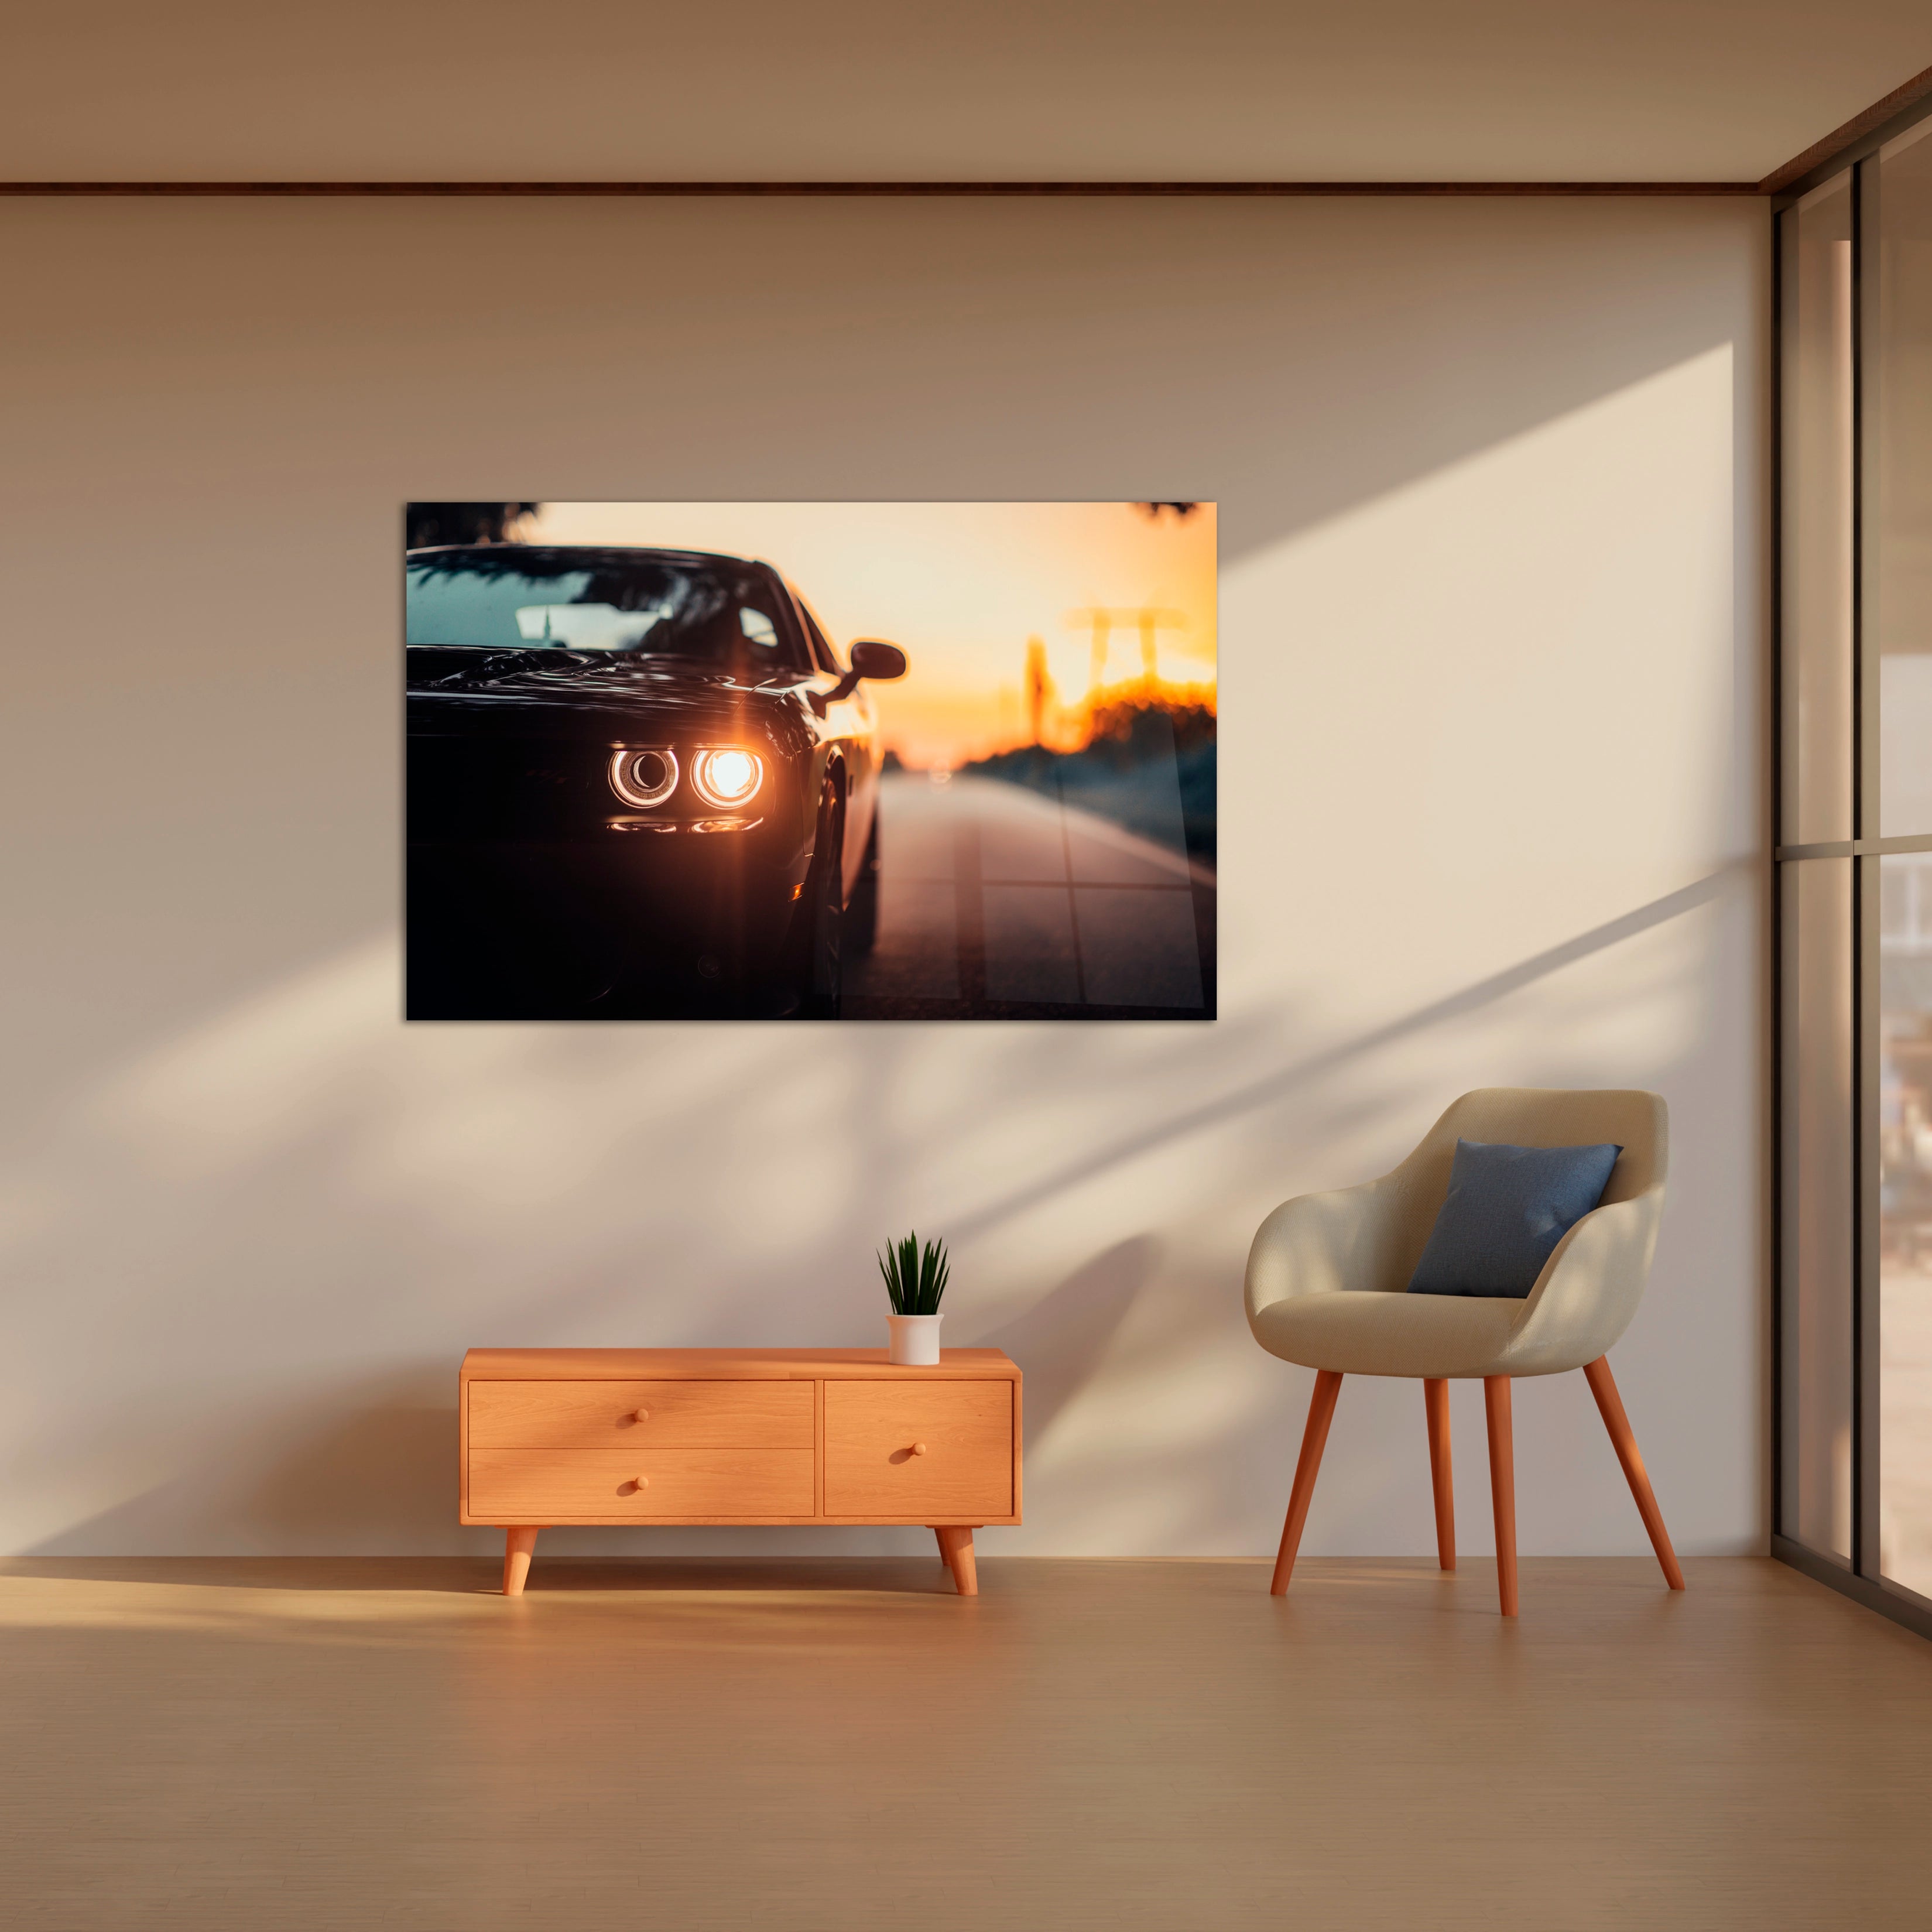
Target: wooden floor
[793, 1746]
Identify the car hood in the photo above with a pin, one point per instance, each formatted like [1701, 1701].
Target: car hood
[568, 693]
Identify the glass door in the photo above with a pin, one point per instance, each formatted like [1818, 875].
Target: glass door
[1853, 1500]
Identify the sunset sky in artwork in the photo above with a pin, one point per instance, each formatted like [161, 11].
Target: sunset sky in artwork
[961, 587]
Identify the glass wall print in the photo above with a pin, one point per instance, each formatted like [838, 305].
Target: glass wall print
[810, 761]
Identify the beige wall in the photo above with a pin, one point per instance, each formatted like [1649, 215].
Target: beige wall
[1492, 529]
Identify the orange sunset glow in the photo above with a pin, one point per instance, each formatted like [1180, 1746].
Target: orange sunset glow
[1014, 615]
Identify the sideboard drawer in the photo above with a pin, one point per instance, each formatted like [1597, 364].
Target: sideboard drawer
[554, 1485]
[631, 1415]
[915, 1450]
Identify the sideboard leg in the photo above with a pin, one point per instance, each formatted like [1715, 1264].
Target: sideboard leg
[519, 1546]
[955, 1545]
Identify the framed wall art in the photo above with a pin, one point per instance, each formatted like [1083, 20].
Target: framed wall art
[810, 761]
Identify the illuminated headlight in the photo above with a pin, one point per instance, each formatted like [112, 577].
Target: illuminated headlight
[643, 778]
[726, 775]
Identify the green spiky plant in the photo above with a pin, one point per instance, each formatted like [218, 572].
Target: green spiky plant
[915, 1281]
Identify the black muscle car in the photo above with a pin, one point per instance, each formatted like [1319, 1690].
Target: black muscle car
[640, 783]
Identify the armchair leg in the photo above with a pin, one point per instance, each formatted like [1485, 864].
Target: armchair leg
[1442, 1471]
[1502, 1486]
[1603, 1386]
[1314, 1439]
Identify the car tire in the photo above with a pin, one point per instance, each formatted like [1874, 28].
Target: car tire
[862, 909]
[820, 957]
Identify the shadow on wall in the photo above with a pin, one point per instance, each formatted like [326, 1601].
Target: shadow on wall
[1302, 360]
[380, 1471]
[1067, 1332]
[308, 1157]
[249, 1221]
[368, 1469]
[376, 1467]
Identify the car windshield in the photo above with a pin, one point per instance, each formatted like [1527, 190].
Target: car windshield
[709, 610]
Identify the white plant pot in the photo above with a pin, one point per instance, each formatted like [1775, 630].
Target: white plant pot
[915, 1340]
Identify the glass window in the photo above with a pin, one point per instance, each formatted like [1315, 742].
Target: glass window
[1816, 1109]
[1905, 1219]
[1816, 358]
[511, 597]
[1855, 1048]
[821, 645]
[1900, 615]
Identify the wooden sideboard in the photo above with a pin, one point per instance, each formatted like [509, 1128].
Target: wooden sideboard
[550, 1436]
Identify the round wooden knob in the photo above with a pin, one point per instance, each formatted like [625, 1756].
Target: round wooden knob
[640, 1482]
[642, 1415]
[919, 1448]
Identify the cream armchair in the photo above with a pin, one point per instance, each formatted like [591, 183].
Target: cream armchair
[1326, 1284]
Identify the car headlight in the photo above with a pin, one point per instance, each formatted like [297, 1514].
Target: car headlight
[643, 778]
[726, 774]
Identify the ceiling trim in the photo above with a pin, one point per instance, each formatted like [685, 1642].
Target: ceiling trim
[1849, 136]
[674, 189]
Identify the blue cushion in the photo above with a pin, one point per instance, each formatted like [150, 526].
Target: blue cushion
[1507, 1208]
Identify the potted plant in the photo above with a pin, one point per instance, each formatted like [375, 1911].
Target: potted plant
[915, 1281]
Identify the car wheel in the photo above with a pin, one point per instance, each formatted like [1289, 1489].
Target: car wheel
[821, 972]
[861, 910]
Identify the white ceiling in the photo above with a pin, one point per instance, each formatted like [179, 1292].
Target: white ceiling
[749, 90]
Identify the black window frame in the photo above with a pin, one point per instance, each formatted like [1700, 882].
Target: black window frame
[1862, 1579]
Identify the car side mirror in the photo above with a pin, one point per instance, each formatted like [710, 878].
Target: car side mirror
[872, 658]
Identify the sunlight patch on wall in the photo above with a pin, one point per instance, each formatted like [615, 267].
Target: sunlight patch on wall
[1509, 711]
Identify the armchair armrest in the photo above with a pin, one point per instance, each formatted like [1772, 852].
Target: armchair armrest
[1324, 1243]
[1589, 1288]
